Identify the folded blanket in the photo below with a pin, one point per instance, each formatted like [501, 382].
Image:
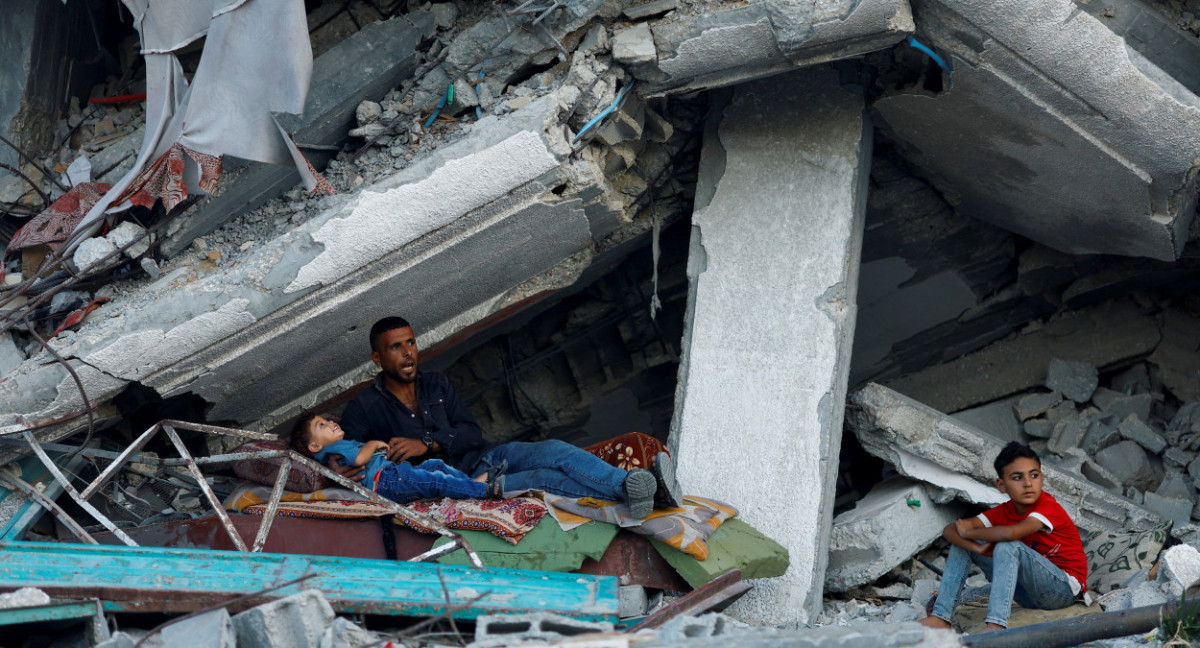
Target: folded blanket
[507, 519]
[686, 528]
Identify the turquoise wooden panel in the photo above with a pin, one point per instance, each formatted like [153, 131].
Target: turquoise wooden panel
[150, 579]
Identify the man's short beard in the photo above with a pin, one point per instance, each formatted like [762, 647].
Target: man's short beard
[395, 375]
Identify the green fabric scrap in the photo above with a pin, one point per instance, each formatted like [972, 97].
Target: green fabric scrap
[734, 545]
[546, 548]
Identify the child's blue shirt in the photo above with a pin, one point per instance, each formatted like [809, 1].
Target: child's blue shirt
[349, 449]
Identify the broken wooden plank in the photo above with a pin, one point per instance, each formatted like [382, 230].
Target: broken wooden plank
[145, 579]
[712, 596]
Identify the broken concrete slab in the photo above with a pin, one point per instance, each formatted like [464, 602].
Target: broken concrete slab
[1135, 430]
[1175, 509]
[1080, 143]
[888, 423]
[284, 326]
[703, 46]
[998, 419]
[298, 621]
[772, 191]
[887, 526]
[366, 65]
[1121, 406]
[1129, 463]
[1069, 434]
[1149, 31]
[1036, 404]
[1102, 335]
[1177, 357]
[1180, 569]
[1074, 380]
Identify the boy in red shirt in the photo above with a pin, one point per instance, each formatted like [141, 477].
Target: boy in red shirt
[1028, 547]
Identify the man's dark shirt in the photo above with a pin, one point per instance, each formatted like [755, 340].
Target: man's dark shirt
[376, 414]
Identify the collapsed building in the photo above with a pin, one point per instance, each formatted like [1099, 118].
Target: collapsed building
[714, 222]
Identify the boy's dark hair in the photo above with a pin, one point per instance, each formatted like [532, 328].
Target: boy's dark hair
[384, 325]
[1011, 453]
[302, 434]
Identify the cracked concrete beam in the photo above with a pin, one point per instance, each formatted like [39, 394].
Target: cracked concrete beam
[699, 48]
[283, 323]
[773, 269]
[890, 426]
[1076, 140]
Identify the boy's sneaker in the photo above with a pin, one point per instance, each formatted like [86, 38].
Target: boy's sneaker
[669, 494]
[640, 486]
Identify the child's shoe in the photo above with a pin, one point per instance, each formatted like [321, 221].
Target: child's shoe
[640, 486]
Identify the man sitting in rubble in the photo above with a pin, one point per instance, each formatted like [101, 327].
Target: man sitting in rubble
[419, 416]
[1028, 547]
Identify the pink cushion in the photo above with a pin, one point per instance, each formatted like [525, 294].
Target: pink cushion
[300, 479]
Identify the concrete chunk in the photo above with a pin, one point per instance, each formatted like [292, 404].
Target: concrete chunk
[1121, 406]
[997, 419]
[1129, 463]
[1037, 404]
[1134, 429]
[1099, 437]
[296, 621]
[509, 629]
[1074, 380]
[210, 630]
[634, 45]
[1039, 428]
[1180, 569]
[890, 425]
[886, 527]
[1175, 509]
[1068, 434]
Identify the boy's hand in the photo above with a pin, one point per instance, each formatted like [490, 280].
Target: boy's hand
[987, 548]
[964, 529]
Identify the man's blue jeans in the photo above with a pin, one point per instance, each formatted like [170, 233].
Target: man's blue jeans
[403, 483]
[1016, 573]
[557, 467]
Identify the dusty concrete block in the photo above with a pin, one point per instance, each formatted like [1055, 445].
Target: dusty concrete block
[1074, 380]
[1073, 82]
[1176, 485]
[1129, 463]
[1121, 406]
[126, 232]
[631, 601]
[896, 428]
[506, 629]
[1170, 508]
[687, 628]
[343, 633]
[296, 621]
[771, 191]
[1135, 430]
[634, 45]
[24, 597]
[1068, 434]
[1039, 428]
[997, 419]
[1037, 404]
[886, 527]
[91, 251]
[211, 630]
[1180, 569]
[1096, 474]
[1099, 437]
[1116, 600]
[1143, 592]
[1178, 459]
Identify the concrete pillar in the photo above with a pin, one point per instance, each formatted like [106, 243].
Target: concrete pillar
[776, 239]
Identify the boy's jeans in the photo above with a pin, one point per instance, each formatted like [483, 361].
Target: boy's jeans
[402, 482]
[1016, 573]
[557, 467]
